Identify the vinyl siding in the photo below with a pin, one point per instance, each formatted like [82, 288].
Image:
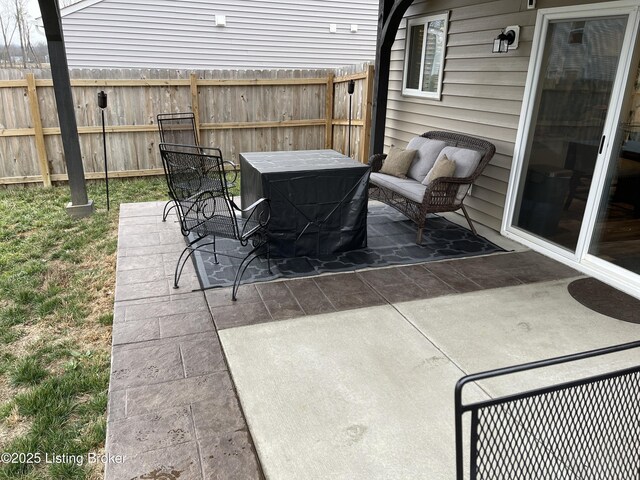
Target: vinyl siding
[482, 92]
[181, 34]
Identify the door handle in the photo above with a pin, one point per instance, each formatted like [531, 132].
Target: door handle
[601, 144]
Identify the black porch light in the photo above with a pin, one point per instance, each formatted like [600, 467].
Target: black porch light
[506, 40]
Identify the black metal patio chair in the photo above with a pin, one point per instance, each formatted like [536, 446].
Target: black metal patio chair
[180, 129]
[198, 185]
[587, 427]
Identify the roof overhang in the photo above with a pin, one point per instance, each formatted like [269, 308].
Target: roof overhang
[64, 11]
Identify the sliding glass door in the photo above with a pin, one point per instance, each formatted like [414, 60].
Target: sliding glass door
[575, 183]
[616, 233]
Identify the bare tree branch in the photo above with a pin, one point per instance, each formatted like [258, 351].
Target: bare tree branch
[20, 13]
[5, 26]
[16, 27]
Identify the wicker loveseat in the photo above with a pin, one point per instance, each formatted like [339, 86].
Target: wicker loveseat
[446, 194]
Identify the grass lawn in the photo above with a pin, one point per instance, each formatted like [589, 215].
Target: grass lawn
[57, 280]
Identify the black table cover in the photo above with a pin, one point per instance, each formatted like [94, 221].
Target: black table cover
[318, 200]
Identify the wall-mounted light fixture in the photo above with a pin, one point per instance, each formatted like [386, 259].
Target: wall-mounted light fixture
[507, 40]
[220, 20]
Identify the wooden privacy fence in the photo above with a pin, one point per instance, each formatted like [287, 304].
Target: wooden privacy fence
[237, 111]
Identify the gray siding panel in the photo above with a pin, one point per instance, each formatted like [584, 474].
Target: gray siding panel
[182, 34]
[482, 92]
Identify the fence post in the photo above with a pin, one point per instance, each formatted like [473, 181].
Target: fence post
[41, 150]
[367, 104]
[328, 143]
[195, 107]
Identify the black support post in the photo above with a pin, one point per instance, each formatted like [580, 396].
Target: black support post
[389, 18]
[80, 205]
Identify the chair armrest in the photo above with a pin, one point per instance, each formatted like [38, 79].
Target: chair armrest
[252, 206]
[234, 169]
[264, 216]
[376, 161]
[444, 191]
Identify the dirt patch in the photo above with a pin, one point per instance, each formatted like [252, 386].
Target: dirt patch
[12, 427]
[93, 335]
[96, 471]
[58, 274]
[105, 290]
[7, 392]
[97, 339]
[32, 335]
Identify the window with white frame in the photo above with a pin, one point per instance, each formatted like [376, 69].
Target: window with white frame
[424, 56]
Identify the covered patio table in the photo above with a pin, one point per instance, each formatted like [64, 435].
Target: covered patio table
[318, 200]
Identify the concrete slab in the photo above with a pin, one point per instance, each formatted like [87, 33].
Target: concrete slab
[151, 398]
[146, 365]
[358, 394]
[133, 332]
[154, 431]
[172, 409]
[349, 395]
[228, 456]
[509, 326]
[177, 461]
[145, 209]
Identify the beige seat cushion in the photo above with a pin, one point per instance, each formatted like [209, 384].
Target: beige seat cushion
[426, 156]
[407, 187]
[444, 167]
[398, 162]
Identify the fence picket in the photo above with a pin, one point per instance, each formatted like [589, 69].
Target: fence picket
[34, 107]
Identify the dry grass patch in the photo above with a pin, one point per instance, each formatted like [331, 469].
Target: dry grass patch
[14, 426]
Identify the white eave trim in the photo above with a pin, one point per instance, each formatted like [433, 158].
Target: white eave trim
[70, 9]
[77, 6]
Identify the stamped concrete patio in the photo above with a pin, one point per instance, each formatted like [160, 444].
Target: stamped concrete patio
[339, 376]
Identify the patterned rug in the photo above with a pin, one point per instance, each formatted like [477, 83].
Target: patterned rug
[391, 241]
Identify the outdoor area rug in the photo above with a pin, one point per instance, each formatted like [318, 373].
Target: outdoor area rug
[391, 241]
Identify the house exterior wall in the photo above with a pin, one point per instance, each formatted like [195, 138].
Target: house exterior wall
[182, 33]
[482, 92]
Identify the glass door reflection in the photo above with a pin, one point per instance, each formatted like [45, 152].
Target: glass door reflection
[577, 75]
[616, 236]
